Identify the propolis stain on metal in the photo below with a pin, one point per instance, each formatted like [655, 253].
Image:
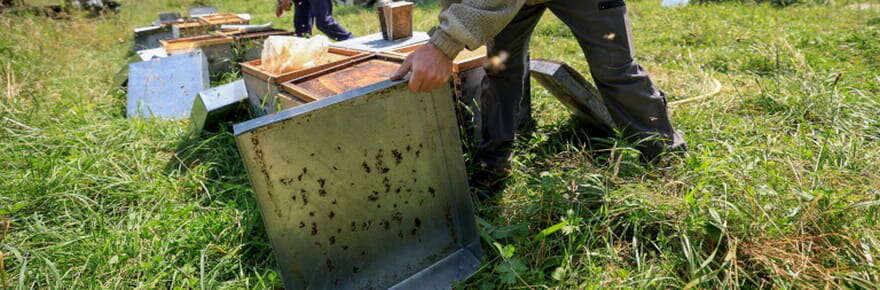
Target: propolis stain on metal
[365, 189]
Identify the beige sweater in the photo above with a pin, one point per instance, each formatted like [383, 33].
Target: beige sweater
[472, 23]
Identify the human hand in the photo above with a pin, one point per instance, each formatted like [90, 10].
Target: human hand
[283, 5]
[430, 68]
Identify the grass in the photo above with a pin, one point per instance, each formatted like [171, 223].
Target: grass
[780, 187]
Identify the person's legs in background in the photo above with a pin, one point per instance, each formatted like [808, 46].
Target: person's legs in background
[322, 12]
[499, 105]
[302, 18]
[633, 101]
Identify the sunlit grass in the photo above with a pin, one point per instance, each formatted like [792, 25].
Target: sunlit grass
[780, 187]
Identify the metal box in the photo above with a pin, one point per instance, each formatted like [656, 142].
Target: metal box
[467, 85]
[166, 87]
[218, 104]
[121, 77]
[262, 84]
[202, 10]
[375, 42]
[149, 37]
[366, 189]
[217, 49]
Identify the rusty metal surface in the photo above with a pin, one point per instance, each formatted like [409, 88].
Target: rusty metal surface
[573, 90]
[366, 189]
[375, 42]
[216, 104]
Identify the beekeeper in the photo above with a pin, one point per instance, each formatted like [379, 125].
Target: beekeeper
[317, 12]
[505, 26]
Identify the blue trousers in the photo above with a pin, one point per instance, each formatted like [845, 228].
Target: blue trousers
[319, 13]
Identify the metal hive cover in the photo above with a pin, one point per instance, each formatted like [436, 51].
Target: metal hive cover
[166, 87]
[375, 42]
[212, 105]
[572, 90]
[366, 189]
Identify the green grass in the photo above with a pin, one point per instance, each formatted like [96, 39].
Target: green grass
[780, 187]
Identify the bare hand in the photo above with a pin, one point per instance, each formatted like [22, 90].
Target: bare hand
[282, 6]
[430, 68]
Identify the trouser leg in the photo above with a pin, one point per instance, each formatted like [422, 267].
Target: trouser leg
[635, 104]
[322, 11]
[302, 18]
[506, 87]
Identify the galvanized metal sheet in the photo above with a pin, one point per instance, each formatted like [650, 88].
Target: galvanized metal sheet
[148, 37]
[166, 87]
[573, 90]
[202, 10]
[168, 17]
[366, 189]
[216, 104]
[375, 42]
[221, 59]
[121, 77]
[259, 94]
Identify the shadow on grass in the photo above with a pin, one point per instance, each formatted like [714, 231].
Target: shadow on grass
[214, 155]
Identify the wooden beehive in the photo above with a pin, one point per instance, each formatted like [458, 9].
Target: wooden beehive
[467, 79]
[222, 19]
[466, 59]
[396, 20]
[190, 28]
[261, 83]
[181, 45]
[343, 78]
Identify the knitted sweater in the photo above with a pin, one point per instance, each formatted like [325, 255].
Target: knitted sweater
[472, 23]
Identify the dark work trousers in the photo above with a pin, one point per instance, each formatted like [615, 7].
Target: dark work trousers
[603, 32]
[320, 13]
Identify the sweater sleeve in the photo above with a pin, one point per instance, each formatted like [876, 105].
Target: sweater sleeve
[472, 23]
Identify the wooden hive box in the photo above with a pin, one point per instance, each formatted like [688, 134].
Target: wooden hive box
[366, 189]
[343, 78]
[262, 84]
[396, 20]
[189, 28]
[467, 79]
[216, 20]
[218, 50]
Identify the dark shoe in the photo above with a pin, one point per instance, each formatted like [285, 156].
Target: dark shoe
[653, 149]
[488, 181]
